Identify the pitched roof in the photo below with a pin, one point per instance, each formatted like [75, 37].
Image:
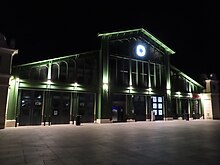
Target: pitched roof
[151, 37]
[186, 77]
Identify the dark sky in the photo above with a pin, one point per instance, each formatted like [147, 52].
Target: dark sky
[53, 29]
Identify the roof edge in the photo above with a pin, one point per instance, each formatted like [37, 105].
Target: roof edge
[145, 32]
[12, 52]
[186, 76]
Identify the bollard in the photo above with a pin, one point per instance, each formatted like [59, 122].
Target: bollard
[78, 119]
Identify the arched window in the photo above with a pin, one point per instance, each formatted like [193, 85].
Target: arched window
[63, 71]
[43, 73]
[55, 72]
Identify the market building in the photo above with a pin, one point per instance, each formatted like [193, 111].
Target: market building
[129, 78]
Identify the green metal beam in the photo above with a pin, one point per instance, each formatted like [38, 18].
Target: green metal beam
[148, 34]
[187, 77]
[43, 62]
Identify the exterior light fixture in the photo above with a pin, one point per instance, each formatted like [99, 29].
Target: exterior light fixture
[150, 90]
[168, 91]
[190, 95]
[49, 82]
[105, 87]
[178, 94]
[130, 88]
[75, 85]
[140, 50]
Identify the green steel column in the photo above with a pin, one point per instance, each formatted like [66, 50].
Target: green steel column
[75, 110]
[168, 86]
[12, 99]
[150, 108]
[103, 93]
[18, 108]
[148, 74]
[142, 71]
[130, 72]
[47, 98]
[188, 108]
[136, 72]
[179, 107]
[47, 108]
[71, 108]
[155, 78]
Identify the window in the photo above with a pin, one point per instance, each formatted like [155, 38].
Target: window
[134, 73]
[123, 71]
[43, 73]
[157, 102]
[55, 72]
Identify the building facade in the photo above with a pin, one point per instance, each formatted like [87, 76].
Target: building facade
[129, 78]
[6, 56]
[210, 97]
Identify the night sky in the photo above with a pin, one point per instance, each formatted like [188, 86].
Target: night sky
[49, 30]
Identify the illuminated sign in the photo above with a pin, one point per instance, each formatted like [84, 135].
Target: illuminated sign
[140, 50]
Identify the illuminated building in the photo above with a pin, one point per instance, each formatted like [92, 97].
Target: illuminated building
[129, 79]
[6, 56]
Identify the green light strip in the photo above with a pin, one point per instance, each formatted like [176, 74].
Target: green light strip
[187, 77]
[55, 59]
[149, 35]
[158, 41]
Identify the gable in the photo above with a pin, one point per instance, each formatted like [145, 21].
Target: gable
[138, 34]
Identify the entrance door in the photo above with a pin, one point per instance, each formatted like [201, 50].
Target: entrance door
[196, 113]
[60, 107]
[157, 107]
[139, 103]
[30, 107]
[86, 107]
[118, 108]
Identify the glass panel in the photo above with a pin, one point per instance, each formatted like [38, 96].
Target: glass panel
[63, 71]
[159, 99]
[54, 72]
[160, 106]
[113, 71]
[60, 110]
[155, 105]
[43, 73]
[31, 107]
[133, 73]
[154, 99]
[38, 99]
[72, 71]
[160, 112]
[34, 73]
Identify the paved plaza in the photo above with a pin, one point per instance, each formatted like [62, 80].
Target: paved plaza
[194, 142]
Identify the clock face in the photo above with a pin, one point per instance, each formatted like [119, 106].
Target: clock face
[140, 50]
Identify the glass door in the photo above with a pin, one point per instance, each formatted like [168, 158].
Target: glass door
[30, 107]
[157, 107]
[60, 112]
